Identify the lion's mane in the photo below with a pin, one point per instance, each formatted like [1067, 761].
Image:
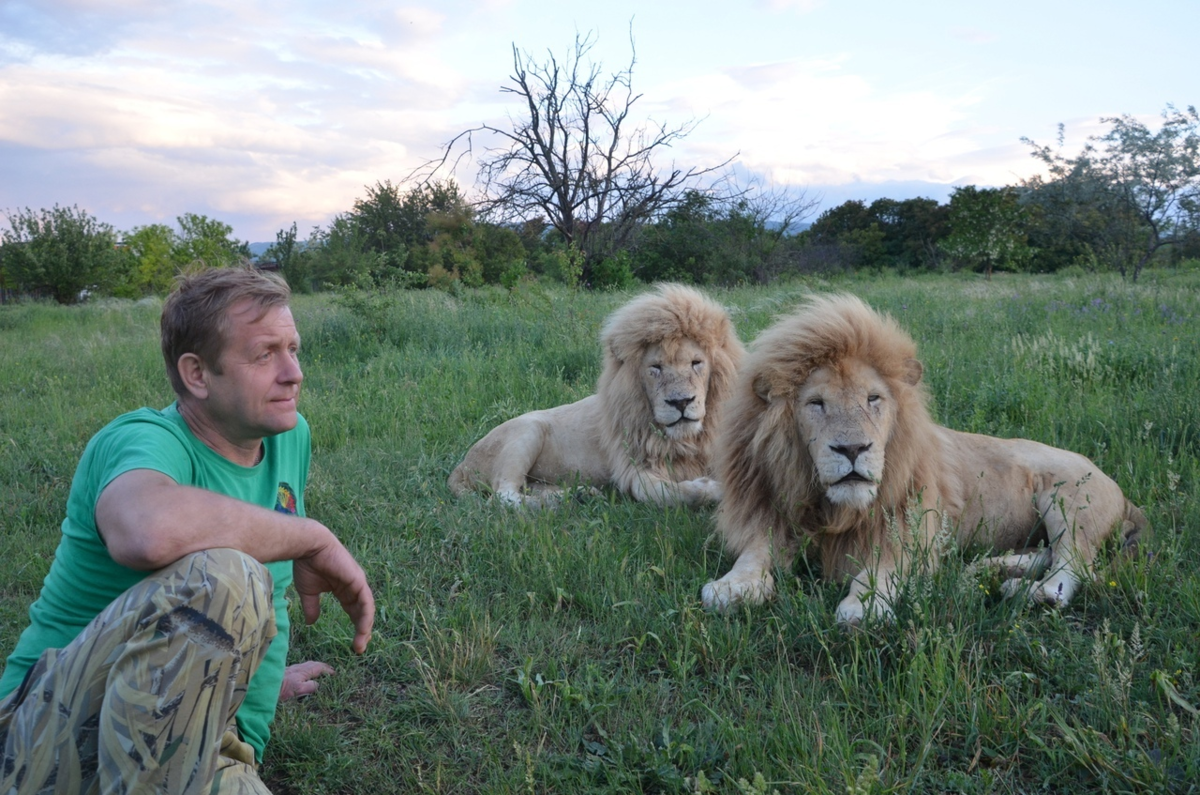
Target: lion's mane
[668, 316]
[768, 475]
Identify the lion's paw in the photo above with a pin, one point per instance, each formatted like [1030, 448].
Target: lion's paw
[1056, 590]
[707, 489]
[1014, 587]
[726, 593]
[531, 500]
[853, 610]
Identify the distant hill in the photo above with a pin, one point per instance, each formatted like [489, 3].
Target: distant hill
[795, 229]
[257, 249]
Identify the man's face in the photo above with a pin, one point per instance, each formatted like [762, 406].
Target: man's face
[255, 393]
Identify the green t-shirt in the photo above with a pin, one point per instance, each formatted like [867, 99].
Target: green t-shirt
[83, 579]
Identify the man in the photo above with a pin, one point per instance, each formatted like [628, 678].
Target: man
[148, 664]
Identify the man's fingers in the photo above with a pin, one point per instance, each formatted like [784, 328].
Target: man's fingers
[335, 570]
[300, 679]
[311, 603]
[311, 669]
[362, 613]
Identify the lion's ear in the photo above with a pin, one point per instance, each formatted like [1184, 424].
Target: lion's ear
[913, 370]
[762, 387]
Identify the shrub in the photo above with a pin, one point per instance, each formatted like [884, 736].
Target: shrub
[63, 252]
[613, 273]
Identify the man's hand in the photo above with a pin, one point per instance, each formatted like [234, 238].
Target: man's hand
[332, 568]
[301, 679]
[147, 520]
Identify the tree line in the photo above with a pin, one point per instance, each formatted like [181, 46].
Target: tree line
[572, 190]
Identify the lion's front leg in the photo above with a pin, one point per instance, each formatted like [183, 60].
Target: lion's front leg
[700, 490]
[748, 582]
[646, 487]
[872, 592]
[516, 457]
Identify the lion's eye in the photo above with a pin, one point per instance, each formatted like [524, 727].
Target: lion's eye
[656, 369]
[697, 364]
[817, 403]
[873, 399]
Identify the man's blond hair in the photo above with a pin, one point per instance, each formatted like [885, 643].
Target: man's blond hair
[195, 316]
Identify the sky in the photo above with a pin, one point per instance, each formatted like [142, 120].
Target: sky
[261, 113]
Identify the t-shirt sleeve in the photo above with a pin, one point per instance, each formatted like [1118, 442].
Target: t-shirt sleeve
[138, 445]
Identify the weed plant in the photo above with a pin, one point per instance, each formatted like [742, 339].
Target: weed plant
[566, 650]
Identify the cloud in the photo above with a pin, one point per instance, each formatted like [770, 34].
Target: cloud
[816, 122]
[68, 27]
[240, 108]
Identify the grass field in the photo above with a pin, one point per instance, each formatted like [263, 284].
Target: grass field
[566, 651]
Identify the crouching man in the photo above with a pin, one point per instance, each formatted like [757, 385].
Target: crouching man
[155, 653]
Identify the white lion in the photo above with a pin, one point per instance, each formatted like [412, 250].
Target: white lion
[828, 439]
[669, 360]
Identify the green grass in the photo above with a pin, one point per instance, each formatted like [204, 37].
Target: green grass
[567, 651]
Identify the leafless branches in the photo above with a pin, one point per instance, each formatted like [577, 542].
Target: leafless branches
[576, 155]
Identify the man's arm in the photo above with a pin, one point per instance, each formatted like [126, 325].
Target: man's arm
[147, 520]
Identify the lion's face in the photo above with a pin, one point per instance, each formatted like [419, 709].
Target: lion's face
[846, 414]
[675, 380]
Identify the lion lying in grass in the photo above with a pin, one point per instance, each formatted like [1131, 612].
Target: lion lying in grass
[669, 361]
[828, 439]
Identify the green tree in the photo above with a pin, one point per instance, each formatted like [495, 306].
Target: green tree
[1144, 185]
[294, 261]
[912, 230]
[61, 252]
[207, 240]
[500, 252]
[450, 255]
[852, 232]
[708, 239]
[987, 228]
[682, 246]
[834, 224]
[339, 257]
[390, 223]
[154, 265]
[395, 223]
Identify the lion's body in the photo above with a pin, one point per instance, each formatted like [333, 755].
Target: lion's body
[828, 438]
[669, 361]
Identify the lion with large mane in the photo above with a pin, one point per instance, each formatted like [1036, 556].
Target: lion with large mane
[670, 357]
[829, 442]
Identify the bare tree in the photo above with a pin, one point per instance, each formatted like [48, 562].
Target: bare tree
[575, 155]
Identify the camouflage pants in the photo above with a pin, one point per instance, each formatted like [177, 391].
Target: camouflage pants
[143, 699]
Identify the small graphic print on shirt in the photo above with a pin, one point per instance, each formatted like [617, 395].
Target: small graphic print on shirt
[285, 501]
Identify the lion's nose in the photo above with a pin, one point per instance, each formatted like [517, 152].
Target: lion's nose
[851, 451]
[680, 403]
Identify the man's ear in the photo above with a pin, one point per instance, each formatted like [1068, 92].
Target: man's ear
[194, 374]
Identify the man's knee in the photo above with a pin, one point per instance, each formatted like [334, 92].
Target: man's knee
[237, 570]
[227, 586]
